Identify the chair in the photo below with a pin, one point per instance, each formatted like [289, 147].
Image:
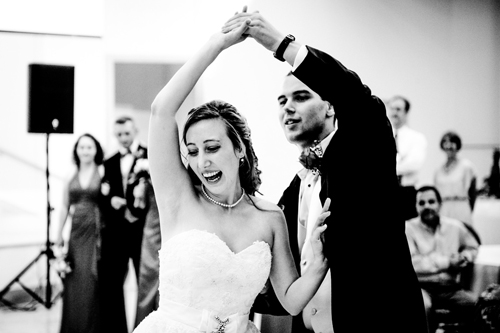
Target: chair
[447, 321]
[487, 319]
[473, 232]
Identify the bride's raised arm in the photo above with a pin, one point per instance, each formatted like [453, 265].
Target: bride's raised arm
[170, 178]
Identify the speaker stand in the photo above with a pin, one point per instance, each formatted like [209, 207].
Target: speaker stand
[47, 252]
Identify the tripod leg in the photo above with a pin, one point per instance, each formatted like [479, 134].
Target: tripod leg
[48, 286]
[48, 289]
[16, 279]
[32, 293]
[47, 251]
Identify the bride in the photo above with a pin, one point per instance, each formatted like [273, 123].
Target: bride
[220, 242]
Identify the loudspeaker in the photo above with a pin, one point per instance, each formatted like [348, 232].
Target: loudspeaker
[51, 97]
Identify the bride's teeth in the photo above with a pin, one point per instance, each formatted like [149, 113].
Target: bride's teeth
[212, 176]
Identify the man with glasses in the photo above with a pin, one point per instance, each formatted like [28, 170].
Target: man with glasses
[440, 248]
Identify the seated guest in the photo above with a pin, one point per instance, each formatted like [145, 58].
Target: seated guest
[440, 248]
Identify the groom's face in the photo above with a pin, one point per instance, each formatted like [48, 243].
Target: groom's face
[303, 115]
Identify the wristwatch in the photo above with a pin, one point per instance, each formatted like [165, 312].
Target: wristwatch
[282, 47]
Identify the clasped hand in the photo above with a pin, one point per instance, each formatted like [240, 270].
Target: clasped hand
[458, 260]
[243, 24]
[228, 37]
[118, 202]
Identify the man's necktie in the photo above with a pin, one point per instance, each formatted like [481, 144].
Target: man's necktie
[126, 152]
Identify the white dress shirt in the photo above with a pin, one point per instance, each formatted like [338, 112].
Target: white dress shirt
[317, 313]
[126, 162]
[412, 147]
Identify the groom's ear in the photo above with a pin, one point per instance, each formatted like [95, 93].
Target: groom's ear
[330, 112]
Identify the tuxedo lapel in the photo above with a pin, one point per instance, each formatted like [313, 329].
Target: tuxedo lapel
[289, 203]
[327, 167]
[114, 176]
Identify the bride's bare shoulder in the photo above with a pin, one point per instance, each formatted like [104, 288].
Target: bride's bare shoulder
[264, 204]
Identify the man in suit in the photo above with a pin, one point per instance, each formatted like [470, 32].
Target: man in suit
[372, 285]
[122, 234]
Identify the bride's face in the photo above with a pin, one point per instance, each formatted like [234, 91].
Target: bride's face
[213, 158]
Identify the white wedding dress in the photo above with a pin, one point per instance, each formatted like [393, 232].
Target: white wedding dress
[205, 287]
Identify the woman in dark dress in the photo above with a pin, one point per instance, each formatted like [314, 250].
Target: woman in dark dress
[80, 311]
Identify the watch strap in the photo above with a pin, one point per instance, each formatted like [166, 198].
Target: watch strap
[280, 51]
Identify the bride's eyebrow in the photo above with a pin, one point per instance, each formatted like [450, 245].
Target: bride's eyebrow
[211, 140]
[205, 142]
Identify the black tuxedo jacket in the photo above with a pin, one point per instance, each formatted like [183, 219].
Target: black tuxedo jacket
[113, 175]
[374, 286]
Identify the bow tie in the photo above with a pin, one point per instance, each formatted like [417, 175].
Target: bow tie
[125, 152]
[311, 157]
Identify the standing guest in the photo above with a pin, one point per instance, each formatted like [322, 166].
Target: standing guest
[440, 248]
[411, 148]
[122, 235]
[220, 243]
[81, 196]
[492, 182]
[456, 181]
[372, 286]
[142, 202]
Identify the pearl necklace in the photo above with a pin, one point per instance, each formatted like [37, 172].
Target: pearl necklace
[212, 200]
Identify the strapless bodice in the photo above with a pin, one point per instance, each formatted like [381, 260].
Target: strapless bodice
[198, 269]
[201, 279]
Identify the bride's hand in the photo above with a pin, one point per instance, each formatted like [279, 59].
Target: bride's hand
[234, 36]
[259, 28]
[317, 239]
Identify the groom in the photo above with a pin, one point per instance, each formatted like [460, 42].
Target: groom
[371, 286]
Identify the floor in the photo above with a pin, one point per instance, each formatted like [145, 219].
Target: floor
[39, 320]
[35, 317]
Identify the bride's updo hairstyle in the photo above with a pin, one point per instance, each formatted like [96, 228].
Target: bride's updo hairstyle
[239, 134]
